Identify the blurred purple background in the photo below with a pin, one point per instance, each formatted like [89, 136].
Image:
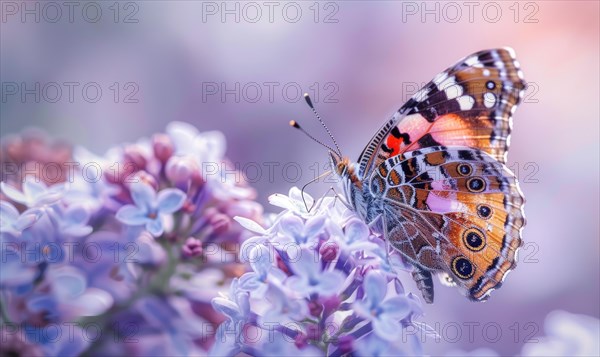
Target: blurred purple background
[360, 60]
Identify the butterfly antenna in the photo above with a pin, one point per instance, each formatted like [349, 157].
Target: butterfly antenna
[310, 104]
[297, 126]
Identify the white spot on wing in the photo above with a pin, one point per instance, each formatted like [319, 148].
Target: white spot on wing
[466, 102]
[511, 52]
[486, 72]
[440, 78]
[471, 61]
[447, 83]
[489, 100]
[454, 91]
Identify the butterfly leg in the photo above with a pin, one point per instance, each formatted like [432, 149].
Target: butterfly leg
[341, 198]
[424, 282]
[308, 183]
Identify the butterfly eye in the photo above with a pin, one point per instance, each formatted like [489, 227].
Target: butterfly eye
[476, 184]
[464, 169]
[484, 211]
[462, 267]
[474, 239]
[490, 85]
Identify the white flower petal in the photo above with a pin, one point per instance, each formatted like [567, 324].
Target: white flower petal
[14, 194]
[250, 225]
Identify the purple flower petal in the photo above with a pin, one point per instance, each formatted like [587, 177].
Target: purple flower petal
[260, 260]
[33, 187]
[356, 230]
[248, 245]
[92, 303]
[292, 226]
[67, 282]
[250, 225]
[252, 283]
[375, 287]
[28, 218]
[8, 213]
[77, 231]
[13, 193]
[132, 215]
[331, 282]
[314, 226]
[51, 195]
[211, 144]
[170, 200]
[182, 135]
[14, 272]
[143, 195]
[386, 328]
[155, 227]
[306, 265]
[397, 307]
[76, 215]
[226, 307]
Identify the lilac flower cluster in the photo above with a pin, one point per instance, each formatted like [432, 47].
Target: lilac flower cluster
[118, 254]
[321, 284]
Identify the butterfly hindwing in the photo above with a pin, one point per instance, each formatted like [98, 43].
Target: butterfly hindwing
[470, 105]
[455, 210]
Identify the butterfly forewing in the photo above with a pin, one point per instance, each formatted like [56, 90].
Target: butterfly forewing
[470, 104]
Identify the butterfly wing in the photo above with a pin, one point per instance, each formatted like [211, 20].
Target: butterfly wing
[469, 104]
[453, 210]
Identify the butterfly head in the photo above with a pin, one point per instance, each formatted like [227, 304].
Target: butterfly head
[340, 165]
[344, 168]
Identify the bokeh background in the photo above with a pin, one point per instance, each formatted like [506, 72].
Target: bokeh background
[239, 68]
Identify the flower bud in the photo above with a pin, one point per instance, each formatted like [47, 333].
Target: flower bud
[163, 147]
[281, 265]
[180, 171]
[315, 307]
[134, 159]
[145, 177]
[331, 303]
[219, 223]
[313, 332]
[345, 344]
[329, 251]
[249, 209]
[301, 340]
[191, 248]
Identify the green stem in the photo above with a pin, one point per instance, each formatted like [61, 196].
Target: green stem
[3, 312]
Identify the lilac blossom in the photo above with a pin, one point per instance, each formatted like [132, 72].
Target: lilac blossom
[325, 287]
[13, 222]
[34, 192]
[384, 314]
[145, 245]
[150, 208]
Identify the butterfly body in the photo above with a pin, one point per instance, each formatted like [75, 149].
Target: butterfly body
[433, 182]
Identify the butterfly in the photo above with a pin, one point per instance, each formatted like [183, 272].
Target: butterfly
[434, 182]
